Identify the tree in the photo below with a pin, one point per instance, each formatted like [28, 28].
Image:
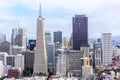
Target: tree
[27, 72]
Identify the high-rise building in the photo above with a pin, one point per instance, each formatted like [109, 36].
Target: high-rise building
[87, 66]
[60, 61]
[5, 47]
[65, 43]
[73, 62]
[18, 37]
[19, 61]
[80, 31]
[58, 37]
[40, 63]
[32, 44]
[48, 38]
[10, 60]
[1, 69]
[107, 50]
[2, 38]
[3, 56]
[97, 54]
[13, 36]
[51, 57]
[28, 59]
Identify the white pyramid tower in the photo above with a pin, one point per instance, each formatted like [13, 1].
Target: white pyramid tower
[40, 62]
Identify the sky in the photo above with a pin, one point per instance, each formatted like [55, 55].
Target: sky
[103, 16]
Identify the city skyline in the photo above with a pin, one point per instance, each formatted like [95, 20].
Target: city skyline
[105, 14]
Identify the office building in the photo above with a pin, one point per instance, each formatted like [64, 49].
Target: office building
[73, 62]
[32, 44]
[17, 49]
[48, 37]
[51, 57]
[28, 59]
[19, 61]
[80, 31]
[3, 56]
[1, 69]
[2, 38]
[107, 49]
[58, 37]
[87, 66]
[10, 60]
[40, 63]
[5, 47]
[65, 43]
[98, 54]
[61, 62]
[18, 37]
[58, 46]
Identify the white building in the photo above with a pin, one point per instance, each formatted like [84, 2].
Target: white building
[107, 50]
[6, 68]
[1, 69]
[19, 61]
[3, 56]
[10, 60]
[17, 49]
[61, 62]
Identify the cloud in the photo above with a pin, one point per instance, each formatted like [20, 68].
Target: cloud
[103, 15]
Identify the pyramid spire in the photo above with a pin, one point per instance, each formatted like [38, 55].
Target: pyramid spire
[40, 12]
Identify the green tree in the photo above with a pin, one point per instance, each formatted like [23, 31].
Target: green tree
[98, 71]
[27, 72]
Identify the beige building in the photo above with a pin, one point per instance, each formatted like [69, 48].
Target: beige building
[40, 63]
[87, 68]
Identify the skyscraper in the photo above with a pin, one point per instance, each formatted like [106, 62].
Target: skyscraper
[58, 36]
[40, 63]
[80, 31]
[2, 38]
[48, 37]
[107, 50]
[18, 37]
[51, 57]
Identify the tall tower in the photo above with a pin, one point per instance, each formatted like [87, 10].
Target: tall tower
[107, 50]
[80, 31]
[40, 62]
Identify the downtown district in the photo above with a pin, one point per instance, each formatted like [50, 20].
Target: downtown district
[61, 59]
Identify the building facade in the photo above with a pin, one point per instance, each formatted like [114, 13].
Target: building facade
[74, 62]
[61, 62]
[80, 31]
[51, 57]
[28, 59]
[58, 37]
[107, 49]
[48, 37]
[40, 62]
[19, 61]
[2, 38]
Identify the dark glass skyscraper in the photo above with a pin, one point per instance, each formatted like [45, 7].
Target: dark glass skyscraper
[58, 36]
[80, 31]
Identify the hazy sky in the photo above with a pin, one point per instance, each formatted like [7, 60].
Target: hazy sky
[103, 15]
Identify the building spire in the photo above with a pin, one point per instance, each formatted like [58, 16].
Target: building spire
[40, 12]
